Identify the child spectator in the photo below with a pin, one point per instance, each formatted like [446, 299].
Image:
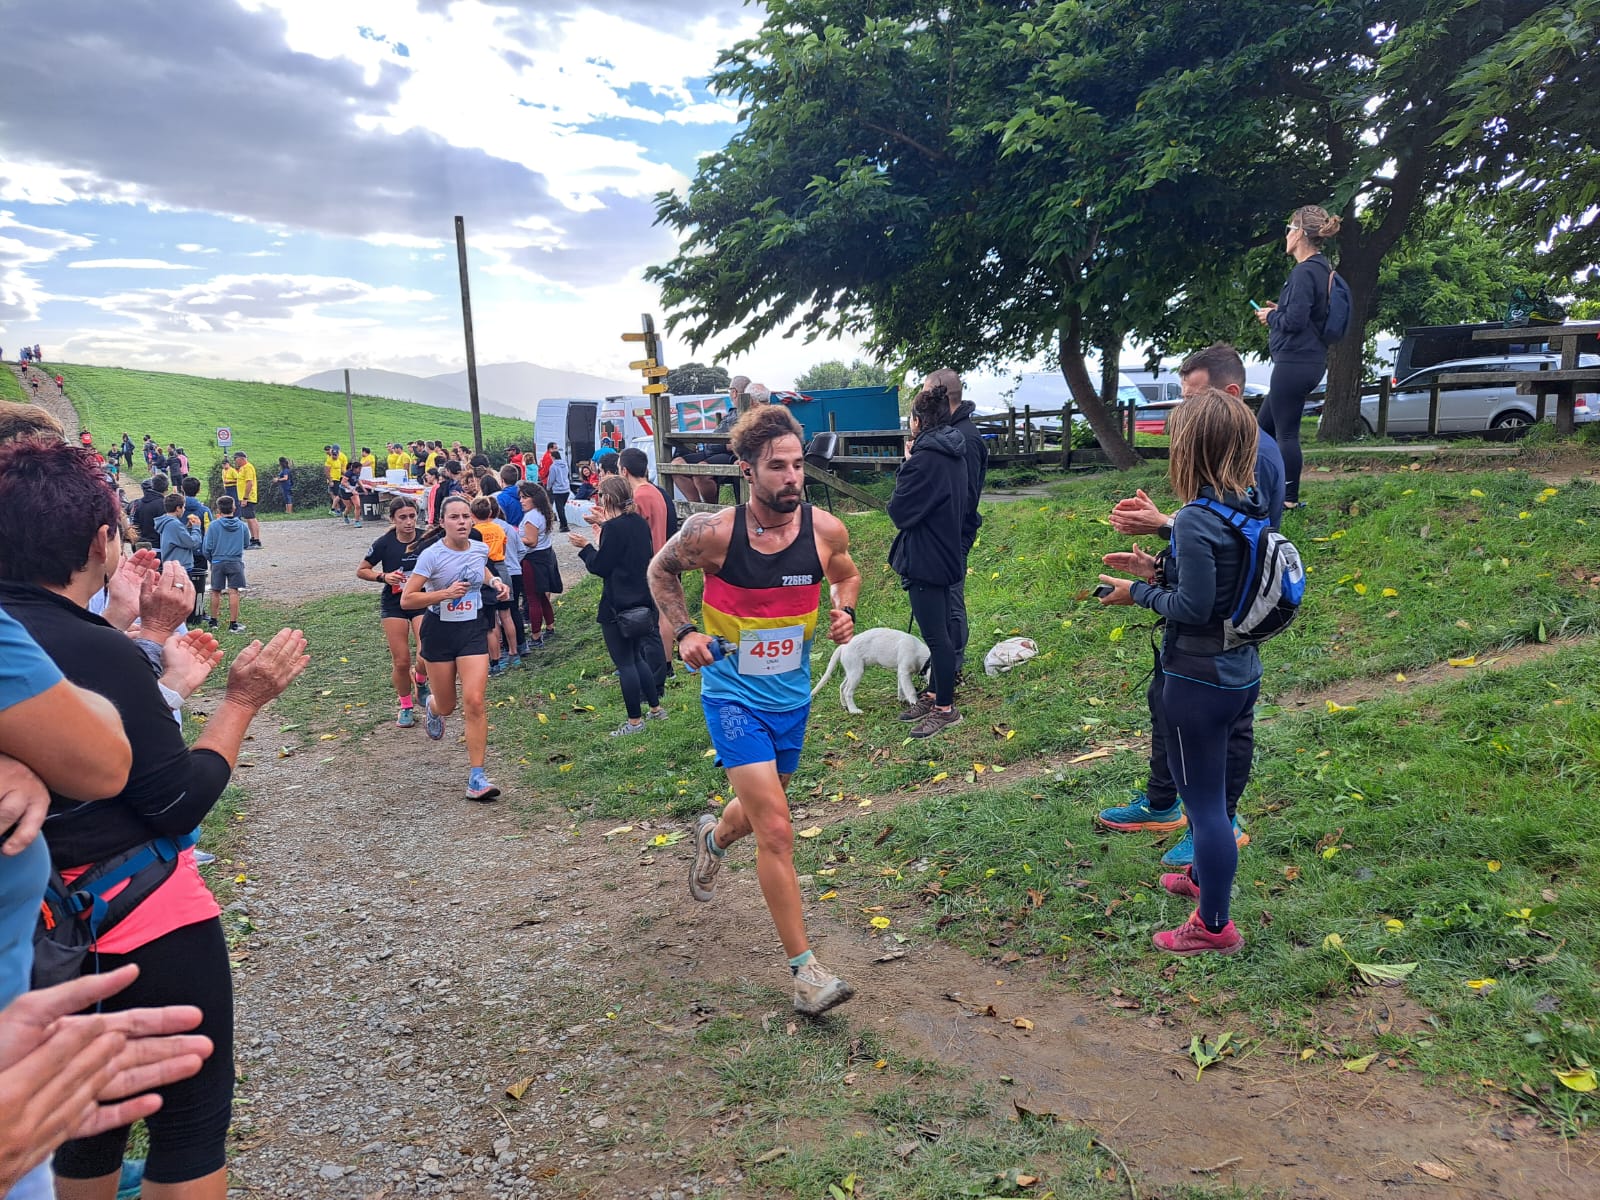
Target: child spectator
[224, 545]
[178, 537]
[502, 633]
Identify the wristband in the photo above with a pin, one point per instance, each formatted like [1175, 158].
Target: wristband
[847, 609]
[683, 631]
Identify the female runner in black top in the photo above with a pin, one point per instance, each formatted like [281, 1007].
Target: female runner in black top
[391, 559]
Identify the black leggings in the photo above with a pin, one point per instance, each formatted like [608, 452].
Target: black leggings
[189, 1133]
[516, 611]
[1161, 789]
[931, 606]
[636, 668]
[1281, 412]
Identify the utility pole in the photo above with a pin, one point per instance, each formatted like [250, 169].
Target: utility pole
[466, 323]
[349, 412]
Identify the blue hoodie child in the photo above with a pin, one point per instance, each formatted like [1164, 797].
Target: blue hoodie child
[225, 540]
[178, 540]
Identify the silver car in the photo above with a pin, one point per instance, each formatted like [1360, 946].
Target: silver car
[1464, 408]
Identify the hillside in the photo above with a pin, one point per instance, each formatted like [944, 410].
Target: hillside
[267, 419]
[510, 389]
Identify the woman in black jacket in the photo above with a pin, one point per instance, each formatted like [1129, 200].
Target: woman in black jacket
[627, 613]
[928, 506]
[1294, 338]
[173, 933]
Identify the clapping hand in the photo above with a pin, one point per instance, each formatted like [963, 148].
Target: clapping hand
[188, 659]
[165, 601]
[260, 673]
[1137, 515]
[122, 589]
[1135, 562]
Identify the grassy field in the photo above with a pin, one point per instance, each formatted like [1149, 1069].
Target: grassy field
[267, 419]
[10, 389]
[1451, 826]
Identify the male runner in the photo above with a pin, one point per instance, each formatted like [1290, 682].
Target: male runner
[764, 562]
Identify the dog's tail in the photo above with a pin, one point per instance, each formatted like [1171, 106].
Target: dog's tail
[832, 662]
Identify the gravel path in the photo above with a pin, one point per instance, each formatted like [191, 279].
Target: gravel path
[54, 402]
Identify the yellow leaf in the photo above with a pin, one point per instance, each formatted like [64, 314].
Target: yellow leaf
[1339, 708]
[1493, 865]
[851, 734]
[830, 894]
[1332, 941]
[1390, 592]
[344, 660]
[238, 878]
[1408, 491]
[1023, 1023]
[1470, 660]
[979, 768]
[543, 720]
[864, 803]
[877, 1066]
[1394, 925]
[879, 922]
[1360, 589]
[1010, 733]
[1550, 492]
[565, 767]
[827, 871]
[994, 574]
[941, 777]
[617, 830]
[1116, 634]
[1524, 515]
[812, 832]
[517, 1089]
[1478, 985]
[1329, 851]
[1400, 677]
[1477, 493]
[1308, 1052]
[327, 737]
[1336, 535]
[1579, 1080]
[712, 753]
[1092, 754]
[1360, 1065]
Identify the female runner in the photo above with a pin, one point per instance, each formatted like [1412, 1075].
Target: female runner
[390, 561]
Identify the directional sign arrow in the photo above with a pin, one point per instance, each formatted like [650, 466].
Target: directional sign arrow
[654, 389]
[637, 337]
[639, 364]
[655, 372]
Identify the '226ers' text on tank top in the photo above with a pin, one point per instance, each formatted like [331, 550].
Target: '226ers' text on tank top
[766, 605]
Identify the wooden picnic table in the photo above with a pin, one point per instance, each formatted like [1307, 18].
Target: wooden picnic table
[1564, 382]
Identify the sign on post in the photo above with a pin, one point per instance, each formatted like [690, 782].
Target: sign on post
[224, 437]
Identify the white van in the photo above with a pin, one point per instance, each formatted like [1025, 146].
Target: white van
[622, 419]
[570, 424]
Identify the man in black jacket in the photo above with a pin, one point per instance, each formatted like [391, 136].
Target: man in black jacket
[151, 506]
[977, 461]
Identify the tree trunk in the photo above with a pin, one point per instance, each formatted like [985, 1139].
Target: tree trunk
[1103, 420]
[1341, 417]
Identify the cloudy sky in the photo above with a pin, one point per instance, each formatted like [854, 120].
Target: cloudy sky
[265, 188]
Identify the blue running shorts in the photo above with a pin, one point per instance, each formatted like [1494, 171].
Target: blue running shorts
[743, 736]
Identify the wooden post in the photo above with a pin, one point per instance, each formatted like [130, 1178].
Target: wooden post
[466, 324]
[1027, 427]
[1383, 406]
[1433, 407]
[1566, 403]
[349, 411]
[1011, 429]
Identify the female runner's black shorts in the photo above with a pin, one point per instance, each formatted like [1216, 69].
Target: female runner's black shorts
[446, 641]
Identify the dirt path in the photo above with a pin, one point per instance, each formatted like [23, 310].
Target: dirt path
[39, 386]
[414, 955]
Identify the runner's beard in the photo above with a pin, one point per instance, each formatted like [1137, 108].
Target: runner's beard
[785, 501]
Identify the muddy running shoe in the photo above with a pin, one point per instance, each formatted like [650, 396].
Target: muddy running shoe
[816, 991]
[1182, 854]
[1193, 938]
[1129, 818]
[703, 871]
[1181, 884]
[435, 722]
[917, 711]
[479, 788]
[936, 721]
[406, 719]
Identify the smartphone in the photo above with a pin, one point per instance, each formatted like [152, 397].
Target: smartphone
[1104, 590]
[1255, 306]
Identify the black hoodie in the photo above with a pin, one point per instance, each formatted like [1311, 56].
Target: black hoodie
[151, 506]
[929, 508]
[977, 459]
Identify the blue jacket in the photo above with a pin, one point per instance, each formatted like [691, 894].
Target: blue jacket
[1269, 476]
[1294, 327]
[225, 540]
[178, 541]
[510, 503]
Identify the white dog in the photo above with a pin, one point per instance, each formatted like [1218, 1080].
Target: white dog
[907, 656]
[1007, 654]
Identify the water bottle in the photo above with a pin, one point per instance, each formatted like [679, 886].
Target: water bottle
[720, 648]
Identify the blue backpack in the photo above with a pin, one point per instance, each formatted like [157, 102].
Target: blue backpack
[1274, 578]
[1338, 322]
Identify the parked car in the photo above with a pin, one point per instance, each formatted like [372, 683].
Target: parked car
[1430, 345]
[1468, 408]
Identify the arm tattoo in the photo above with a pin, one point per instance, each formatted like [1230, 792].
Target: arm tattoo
[684, 551]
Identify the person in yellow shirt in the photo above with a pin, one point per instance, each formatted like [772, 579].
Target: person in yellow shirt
[230, 479]
[369, 459]
[244, 472]
[399, 460]
[334, 464]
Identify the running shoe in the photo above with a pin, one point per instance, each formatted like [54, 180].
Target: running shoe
[534, 643]
[1192, 937]
[406, 719]
[655, 714]
[211, 622]
[422, 690]
[131, 1181]
[522, 649]
[627, 728]
[202, 859]
[703, 871]
[358, 524]
[235, 627]
[1129, 818]
[435, 722]
[816, 991]
[253, 544]
[497, 668]
[1181, 884]
[479, 788]
[917, 711]
[936, 721]
[1182, 854]
[513, 661]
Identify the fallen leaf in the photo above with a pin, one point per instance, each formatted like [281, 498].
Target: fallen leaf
[1384, 974]
[1390, 593]
[1092, 754]
[1332, 941]
[516, 1090]
[1394, 925]
[830, 894]
[1400, 677]
[940, 777]
[1437, 1170]
[1037, 1114]
[543, 720]
[1308, 1052]
[327, 737]
[1493, 864]
[1360, 589]
[1339, 708]
[1479, 985]
[1578, 1079]
[564, 768]
[879, 922]
[712, 753]
[1023, 1023]
[772, 1155]
[812, 832]
[1476, 492]
[1470, 660]
[1359, 1065]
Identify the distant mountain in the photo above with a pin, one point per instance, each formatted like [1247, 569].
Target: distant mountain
[509, 389]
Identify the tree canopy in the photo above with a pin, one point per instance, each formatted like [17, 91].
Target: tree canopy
[696, 379]
[977, 182]
[835, 374]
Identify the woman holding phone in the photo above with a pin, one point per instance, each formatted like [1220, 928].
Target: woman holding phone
[1294, 337]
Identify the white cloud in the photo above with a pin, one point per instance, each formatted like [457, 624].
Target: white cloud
[242, 302]
[131, 264]
[196, 248]
[23, 248]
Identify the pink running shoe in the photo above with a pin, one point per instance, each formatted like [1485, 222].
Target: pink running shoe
[1194, 938]
[1180, 884]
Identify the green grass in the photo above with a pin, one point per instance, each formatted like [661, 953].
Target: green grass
[267, 419]
[11, 389]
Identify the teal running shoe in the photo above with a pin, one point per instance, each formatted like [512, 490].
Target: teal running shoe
[1182, 854]
[1130, 818]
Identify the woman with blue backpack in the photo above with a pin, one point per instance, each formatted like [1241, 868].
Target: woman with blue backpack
[1298, 336]
[1205, 591]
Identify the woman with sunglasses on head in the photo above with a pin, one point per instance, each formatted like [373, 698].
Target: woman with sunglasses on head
[390, 562]
[1294, 337]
